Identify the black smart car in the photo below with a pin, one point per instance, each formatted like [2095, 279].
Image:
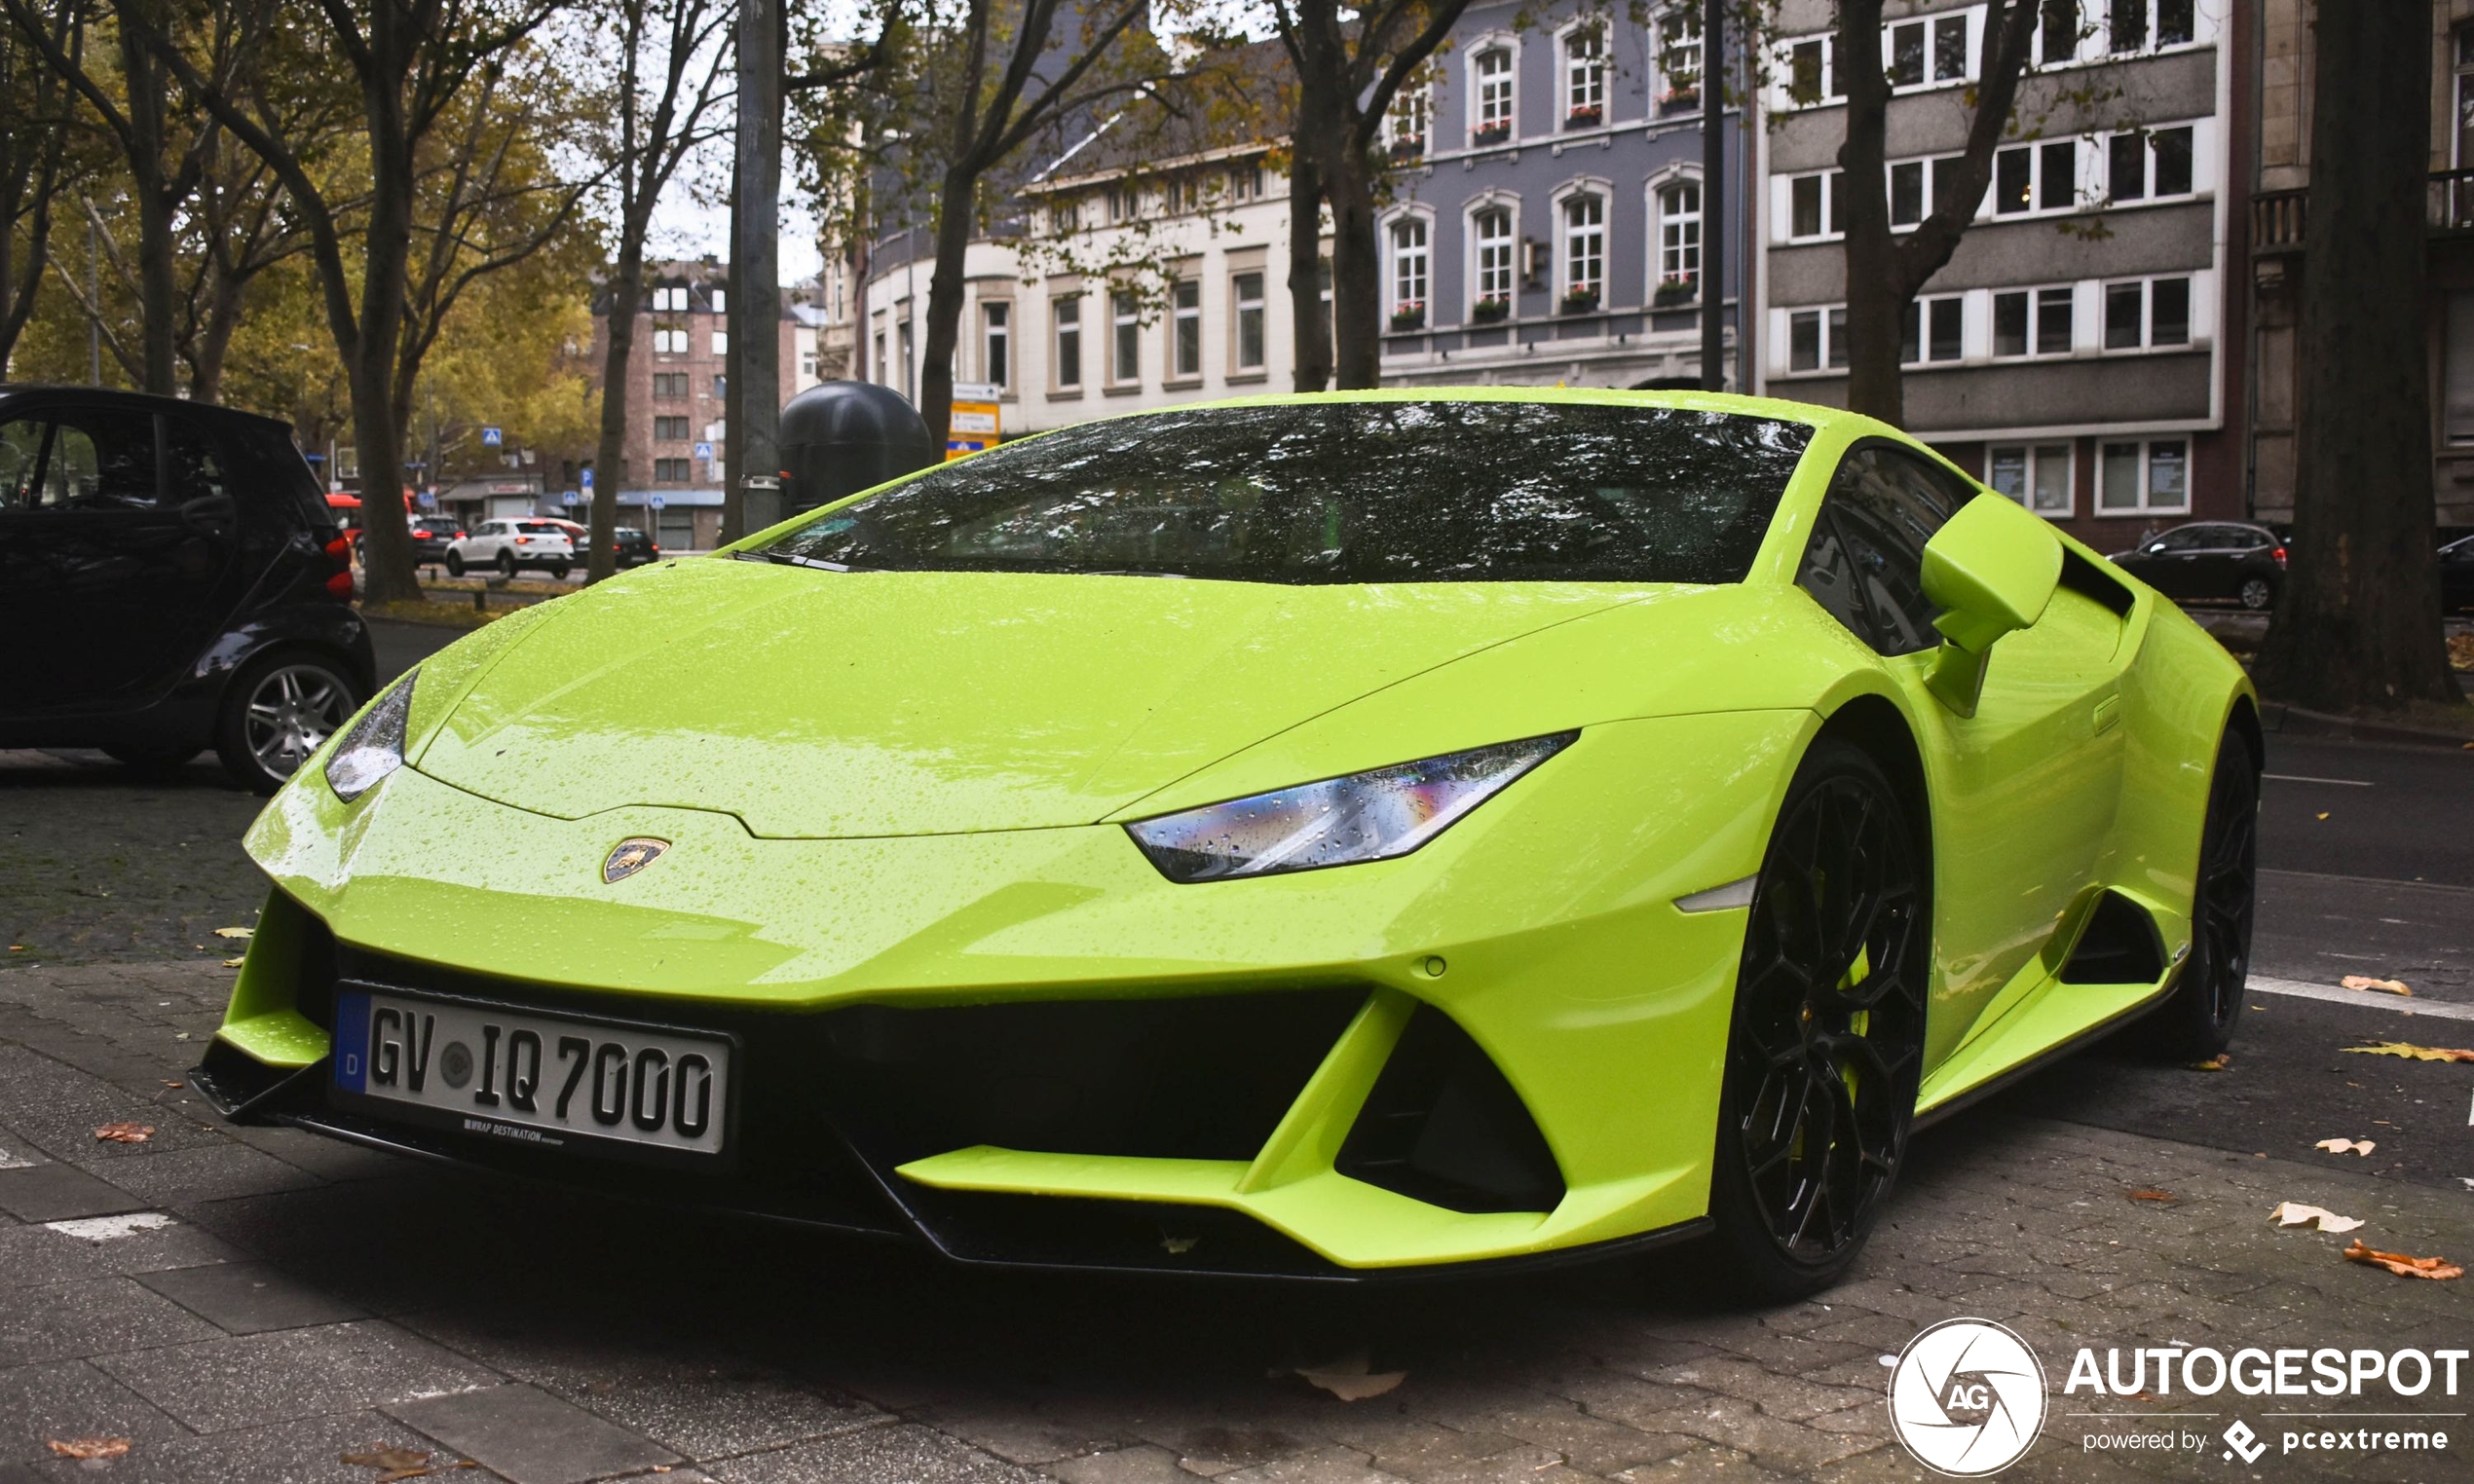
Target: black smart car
[2221, 560]
[171, 581]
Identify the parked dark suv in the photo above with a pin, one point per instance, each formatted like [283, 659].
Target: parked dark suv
[171, 579]
[2211, 559]
[430, 536]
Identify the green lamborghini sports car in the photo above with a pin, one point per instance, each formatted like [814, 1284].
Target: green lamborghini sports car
[1326, 836]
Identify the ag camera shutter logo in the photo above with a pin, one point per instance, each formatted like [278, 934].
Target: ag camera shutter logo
[1967, 1398]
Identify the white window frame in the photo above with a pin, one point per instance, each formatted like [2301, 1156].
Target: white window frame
[1409, 265]
[2085, 191]
[718, 299]
[2147, 504]
[1830, 321]
[1180, 317]
[1060, 327]
[2034, 458]
[1410, 120]
[1922, 307]
[1782, 58]
[1667, 93]
[2199, 337]
[2203, 30]
[669, 340]
[1660, 250]
[2079, 303]
[996, 342]
[670, 299]
[1472, 270]
[2203, 163]
[1124, 313]
[1783, 206]
[1580, 76]
[721, 342]
[1508, 46]
[1932, 167]
[1239, 306]
[1572, 194]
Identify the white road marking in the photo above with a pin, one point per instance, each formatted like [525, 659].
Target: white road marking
[2360, 999]
[110, 1228]
[2350, 783]
[10, 1160]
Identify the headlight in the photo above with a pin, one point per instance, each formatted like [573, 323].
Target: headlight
[1372, 816]
[374, 747]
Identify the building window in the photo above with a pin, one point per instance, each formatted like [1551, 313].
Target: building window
[1409, 272]
[2032, 321]
[2037, 475]
[1064, 217]
[1914, 188]
[995, 332]
[1246, 295]
[670, 471]
[720, 386]
[670, 430]
[1923, 53]
[1813, 206]
[2136, 478]
[1817, 338]
[721, 342]
[1125, 316]
[1125, 202]
[1679, 58]
[2148, 313]
[2141, 25]
[1493, 234]
[670, 299]
[670, 339]
[903, 335]
[2035, 178]
[1405, 128]
[1679, 240]
[1245, 181]
[719, 298]
[883, 361]
[669, 385]
[1811, 73]
[1493, 67]
[1185, 329]
[2152, 163]
[1066, 316]
[1584, 250]
[1933, 331]
[1585, 78]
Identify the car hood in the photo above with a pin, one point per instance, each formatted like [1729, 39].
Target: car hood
[825, 705]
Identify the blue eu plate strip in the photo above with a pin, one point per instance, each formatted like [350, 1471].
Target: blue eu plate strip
[352, 1042]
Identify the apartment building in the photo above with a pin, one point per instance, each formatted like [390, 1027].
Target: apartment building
[2082, 351]
[2281, 61]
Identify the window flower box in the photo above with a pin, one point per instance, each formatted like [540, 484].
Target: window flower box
[1411, 315]
[1674, 292]
[1678, 99]
[1486, 134]
[1585, 116]
[1490, 311]
[1581, 301]
[1409, 146]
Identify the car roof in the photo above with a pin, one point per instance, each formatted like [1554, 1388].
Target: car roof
[1807, 413]
[41, 394]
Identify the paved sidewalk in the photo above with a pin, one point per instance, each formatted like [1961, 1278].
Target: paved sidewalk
[250, 1306]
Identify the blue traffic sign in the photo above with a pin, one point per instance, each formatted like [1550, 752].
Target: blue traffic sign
[704, 451]
[587, 476]
[568, 500]
[658, 502]
[491, 438]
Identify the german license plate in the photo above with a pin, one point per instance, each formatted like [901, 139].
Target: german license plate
[533, 1078]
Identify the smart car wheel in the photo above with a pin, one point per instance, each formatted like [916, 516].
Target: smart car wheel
[2198, 1019]
[1826, 1044]
[276, 712]
[455, 564]
[2256, 593]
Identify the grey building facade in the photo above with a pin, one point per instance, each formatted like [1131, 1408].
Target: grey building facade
[1546, 223]
[2081, 350]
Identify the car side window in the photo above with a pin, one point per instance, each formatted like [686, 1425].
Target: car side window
[2179, 539]
[101, 459]
[1885, 505]
[193, 468]
[21, 462]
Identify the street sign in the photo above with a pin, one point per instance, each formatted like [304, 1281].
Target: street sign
[977, 391]
[491, 438]
[973, 424]
[658, 502]
[568, 499]
[429, 500]
[587, 476]
[704, 451]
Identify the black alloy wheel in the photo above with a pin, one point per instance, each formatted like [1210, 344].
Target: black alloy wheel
[1826, 1047]
[2256, 593]
[455, 564]
[2198, 1020]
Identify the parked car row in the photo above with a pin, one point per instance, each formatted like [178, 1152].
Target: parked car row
[2233, 561]
[545, 543]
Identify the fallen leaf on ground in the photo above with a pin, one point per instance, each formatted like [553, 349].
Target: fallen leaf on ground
[391, 1464]
[2294, 1213]
[125, 1133]
[2346, 1146]
[235, 963]
[2153, 1195]
[1349, 1378]
[2323, 814]
[2366, 982]
[2216, 1063]
[170, 1082]
[2437, 1268]
[89, 1447]
[2412, 1053]
[239, 933]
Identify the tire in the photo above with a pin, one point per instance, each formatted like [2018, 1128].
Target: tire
[2198, 1020]
[558, 573]
[2256, 593]
[1827, 1030]
[506, 563]
[275, 714]
[455, 564]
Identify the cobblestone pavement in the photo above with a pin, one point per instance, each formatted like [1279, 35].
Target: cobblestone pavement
[250, 1304]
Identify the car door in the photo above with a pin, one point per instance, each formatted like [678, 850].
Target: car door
[129, 565]
[2167, 563]
[2218, 559]
[482, 548]
[2024, 791]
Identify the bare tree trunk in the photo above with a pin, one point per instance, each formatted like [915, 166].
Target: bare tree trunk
[1357, 273]
[1312, 357]
[954, 226]
[369, 354]
[610, 454]
[2358, 624]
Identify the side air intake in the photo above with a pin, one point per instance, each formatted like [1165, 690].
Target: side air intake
[2119, 947]
[1444, 1127]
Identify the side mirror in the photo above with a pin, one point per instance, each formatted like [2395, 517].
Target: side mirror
[1992, 568]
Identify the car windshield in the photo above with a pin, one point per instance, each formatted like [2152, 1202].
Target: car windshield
[1343, 492]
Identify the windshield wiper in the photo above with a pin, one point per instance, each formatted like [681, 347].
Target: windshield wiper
[794, 559]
